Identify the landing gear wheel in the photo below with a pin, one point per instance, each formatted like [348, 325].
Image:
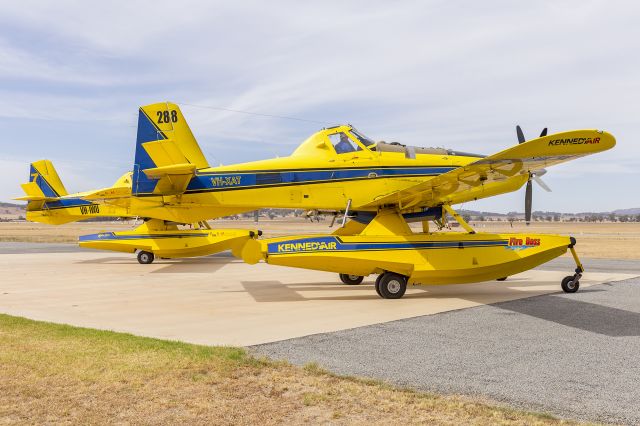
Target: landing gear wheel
[569, 285]
[351, 279]
[502, 279]
[145, 257]
[392, 286]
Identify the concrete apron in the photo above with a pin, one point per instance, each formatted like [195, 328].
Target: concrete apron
[222, 301]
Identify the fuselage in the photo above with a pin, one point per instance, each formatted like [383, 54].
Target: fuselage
[315, 176]
[320, 174]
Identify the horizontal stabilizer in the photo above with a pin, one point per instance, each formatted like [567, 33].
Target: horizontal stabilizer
[171, 179]
[172, 170]
[34, 193]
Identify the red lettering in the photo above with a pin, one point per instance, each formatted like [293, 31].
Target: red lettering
[515, 241]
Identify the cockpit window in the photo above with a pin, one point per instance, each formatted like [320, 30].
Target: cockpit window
[362, 138]
[342, 143]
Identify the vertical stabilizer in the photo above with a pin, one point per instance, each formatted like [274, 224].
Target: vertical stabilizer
[45, 176]
[157, 122]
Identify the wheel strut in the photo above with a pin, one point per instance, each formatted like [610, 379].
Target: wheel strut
[570, 283]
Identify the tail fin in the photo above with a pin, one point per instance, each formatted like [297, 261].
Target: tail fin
[44, 183]
[49, 202]
[162, 122]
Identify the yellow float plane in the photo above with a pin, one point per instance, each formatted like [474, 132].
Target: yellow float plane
[378, 187]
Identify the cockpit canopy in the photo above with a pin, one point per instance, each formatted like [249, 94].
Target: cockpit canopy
[350, 141]
[346, 139]
[330, 141]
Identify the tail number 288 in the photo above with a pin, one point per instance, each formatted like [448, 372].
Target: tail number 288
[167, 116]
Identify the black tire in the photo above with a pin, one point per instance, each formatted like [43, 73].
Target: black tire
[377, 285]
[567, 287]
[351, 279]
[145, 257]
[502, 279]
[392, 286]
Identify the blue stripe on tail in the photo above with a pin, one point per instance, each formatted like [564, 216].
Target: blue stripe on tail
[35, 176]
[147, 132]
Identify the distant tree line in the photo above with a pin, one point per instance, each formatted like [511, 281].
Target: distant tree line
[610, 217]
[467, 216]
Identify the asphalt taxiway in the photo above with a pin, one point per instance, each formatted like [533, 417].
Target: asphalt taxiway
[571, 355]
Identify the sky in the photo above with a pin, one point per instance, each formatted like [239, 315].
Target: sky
[431, 73]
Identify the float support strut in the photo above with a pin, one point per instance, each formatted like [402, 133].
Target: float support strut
[458, 218]
[346, 213]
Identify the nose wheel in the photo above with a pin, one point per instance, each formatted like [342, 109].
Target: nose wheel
[571, 283]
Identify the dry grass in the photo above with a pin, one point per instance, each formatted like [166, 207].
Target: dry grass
[595, 240]
[41, 233]
[61, 374]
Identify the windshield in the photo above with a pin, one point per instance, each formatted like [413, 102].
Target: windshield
[362, 138]
[342, 143]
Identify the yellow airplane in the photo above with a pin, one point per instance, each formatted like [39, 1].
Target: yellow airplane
[379, 186]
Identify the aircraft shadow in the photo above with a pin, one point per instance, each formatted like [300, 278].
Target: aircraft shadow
[276, 291]
[109, 260]
[574, 313]
[172, 266]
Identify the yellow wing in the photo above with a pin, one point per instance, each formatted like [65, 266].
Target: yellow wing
[499, 173]
[120, 190]
[105, 194]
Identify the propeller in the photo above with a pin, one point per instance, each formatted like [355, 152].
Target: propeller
[533, 175]
[520, 134]
[528, 201]
[536, 176]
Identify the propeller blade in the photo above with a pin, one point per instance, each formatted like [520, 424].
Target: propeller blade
[541, 183]
[544, 132]
[520, 134]
[527, 202]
